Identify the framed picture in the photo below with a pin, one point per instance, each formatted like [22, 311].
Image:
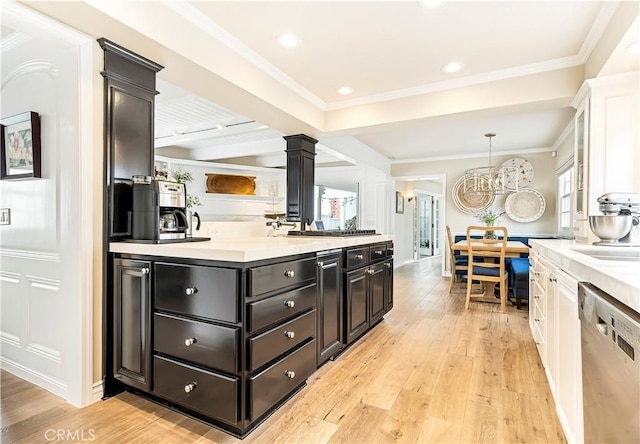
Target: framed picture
[20, 157]
[399, 203]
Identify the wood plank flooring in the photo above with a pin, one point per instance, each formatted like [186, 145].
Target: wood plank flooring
[430, 372]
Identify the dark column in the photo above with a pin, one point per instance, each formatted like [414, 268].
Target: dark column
[301, 152]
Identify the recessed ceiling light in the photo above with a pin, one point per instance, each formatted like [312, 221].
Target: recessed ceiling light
[345, 90]
[452, 67]
[633, 48]
[430, 3]
[288, 40]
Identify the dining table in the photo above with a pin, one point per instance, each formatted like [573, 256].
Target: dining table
[514, 249]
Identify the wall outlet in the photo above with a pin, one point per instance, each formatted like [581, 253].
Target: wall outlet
[5, 216]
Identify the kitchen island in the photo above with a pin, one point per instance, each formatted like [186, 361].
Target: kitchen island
[227, 330]
[557, 266]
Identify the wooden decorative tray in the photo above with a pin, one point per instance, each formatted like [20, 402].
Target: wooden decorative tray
[230, 184]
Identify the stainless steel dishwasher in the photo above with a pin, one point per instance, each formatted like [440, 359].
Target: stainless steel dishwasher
[610, 336]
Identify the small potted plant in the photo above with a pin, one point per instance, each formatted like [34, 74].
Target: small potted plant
[489, 217]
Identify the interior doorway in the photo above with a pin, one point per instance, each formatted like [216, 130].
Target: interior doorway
[426, 224]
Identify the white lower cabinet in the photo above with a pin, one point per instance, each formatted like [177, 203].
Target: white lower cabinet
[555, 327]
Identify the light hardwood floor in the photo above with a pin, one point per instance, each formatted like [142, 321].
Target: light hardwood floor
[430, 372]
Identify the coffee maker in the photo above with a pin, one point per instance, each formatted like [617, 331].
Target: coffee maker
[159, 210]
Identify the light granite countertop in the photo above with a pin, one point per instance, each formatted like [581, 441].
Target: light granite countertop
[618, 278]
[245, 249]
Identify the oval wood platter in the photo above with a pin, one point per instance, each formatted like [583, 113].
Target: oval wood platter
[230, 184]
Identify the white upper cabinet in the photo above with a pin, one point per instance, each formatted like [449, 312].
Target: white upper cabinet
[607, 156]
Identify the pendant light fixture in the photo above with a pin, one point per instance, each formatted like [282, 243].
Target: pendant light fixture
[490, 180]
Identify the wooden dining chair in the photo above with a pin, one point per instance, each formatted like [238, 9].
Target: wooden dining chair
[487, 264]
[459, 265]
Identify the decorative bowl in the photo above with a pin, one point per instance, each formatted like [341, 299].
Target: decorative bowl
[610, 228]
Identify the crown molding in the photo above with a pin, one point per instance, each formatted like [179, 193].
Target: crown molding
[471, 156]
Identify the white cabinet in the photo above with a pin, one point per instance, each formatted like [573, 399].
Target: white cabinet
[568, 394]
[607, 144]
[555, 326]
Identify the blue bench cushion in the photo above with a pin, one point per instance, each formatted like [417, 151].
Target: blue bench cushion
[519, 278]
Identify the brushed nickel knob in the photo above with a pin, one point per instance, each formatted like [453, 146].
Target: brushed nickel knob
[290, 374]
[370, 271]
[190, 387]
[190, 341]
[289, 273]
[145, 271]
[553, 279]
[378, 252]
[388, 265]
[190, 290]
[290, 334]
[320, 264]
[289, 304]
[358, 256]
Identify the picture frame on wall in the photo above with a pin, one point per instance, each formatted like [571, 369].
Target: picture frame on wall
[20, 156]
[399, 203]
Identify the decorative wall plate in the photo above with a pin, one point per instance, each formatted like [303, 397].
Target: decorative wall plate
[525, 173]
[467, 203]
[525, 205]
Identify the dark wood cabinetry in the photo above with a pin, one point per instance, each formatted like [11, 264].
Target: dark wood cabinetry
[229, 343]
[330, 305]
[368, 287]
[301, 152]
[132, 323]
[129, 93]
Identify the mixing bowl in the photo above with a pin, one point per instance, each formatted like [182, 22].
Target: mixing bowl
[610, 228]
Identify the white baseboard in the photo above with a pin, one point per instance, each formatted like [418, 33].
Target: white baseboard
[49, 383]
[97, 391]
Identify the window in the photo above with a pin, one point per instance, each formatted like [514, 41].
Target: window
[565, 202]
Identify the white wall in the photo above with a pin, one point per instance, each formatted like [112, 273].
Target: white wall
[543, 181]
[46, 274]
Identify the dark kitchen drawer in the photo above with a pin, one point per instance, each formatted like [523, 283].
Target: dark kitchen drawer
[269, 278]
[209, 393]
[198, 342]
[269, 311]
[356, 257]
[269, 345]
[389, 249]
[206, 292]
[277, 381]
[377, 252]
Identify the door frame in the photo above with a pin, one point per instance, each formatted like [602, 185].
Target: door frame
[442, 180]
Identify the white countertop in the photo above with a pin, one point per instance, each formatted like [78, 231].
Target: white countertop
[620, 279]
[245, 249]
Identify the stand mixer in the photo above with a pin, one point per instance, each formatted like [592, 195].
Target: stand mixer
[620, 225]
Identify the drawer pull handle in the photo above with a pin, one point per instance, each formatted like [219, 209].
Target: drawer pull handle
[553, 279]
[190, 290]
[290, 374]
[320, 264]
[358, 256]
[190, 387]
[289, 273]
[378, 252]
[289, 304]
[145, 271]
[536, 297]
[190, 341]
[290, 334]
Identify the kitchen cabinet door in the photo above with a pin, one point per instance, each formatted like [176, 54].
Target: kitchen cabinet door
[357, 306]
[569, 371]
[132, 323]
[377, 291]
[330, 306]
[388, 301]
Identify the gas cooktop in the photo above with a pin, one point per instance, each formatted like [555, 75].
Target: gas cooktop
[333, 233]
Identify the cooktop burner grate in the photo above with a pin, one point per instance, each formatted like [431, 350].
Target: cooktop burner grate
[333, 233]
